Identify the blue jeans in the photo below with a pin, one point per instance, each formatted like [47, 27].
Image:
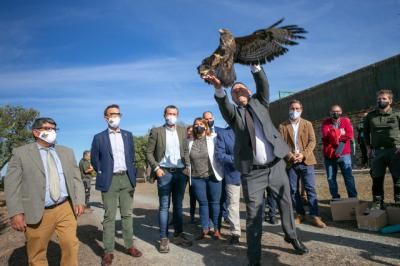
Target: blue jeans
[344, 163]
[270, 204]
[208, 194]
[307, 174]
[175, 184]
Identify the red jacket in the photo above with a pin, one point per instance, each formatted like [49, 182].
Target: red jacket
[332, 137]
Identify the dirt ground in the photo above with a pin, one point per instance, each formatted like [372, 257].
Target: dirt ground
[339, 244]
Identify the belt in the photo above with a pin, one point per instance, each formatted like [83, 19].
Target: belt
[57, 204]
[172, 170]
[120, 173]
[266, 166]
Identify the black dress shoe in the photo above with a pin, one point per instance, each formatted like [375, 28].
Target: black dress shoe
[297, 245]
[255, 264]
[234, 240]
[272, 220]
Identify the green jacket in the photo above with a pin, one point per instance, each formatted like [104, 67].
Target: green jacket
[382, 130]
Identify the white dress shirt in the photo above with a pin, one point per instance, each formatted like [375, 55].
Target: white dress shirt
[295, 127]
[48, 201]
[172, 157]
[264, 149]
[118, 151]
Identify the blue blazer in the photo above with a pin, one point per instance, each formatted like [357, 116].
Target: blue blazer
[103, 162]
[224, 153]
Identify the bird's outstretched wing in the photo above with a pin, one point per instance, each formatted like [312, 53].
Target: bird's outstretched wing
[264, 45]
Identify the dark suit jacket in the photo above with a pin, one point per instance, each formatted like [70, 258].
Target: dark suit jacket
[156, 147]
[306, 139]
[234, 116]
[103, 162]
[224, 153]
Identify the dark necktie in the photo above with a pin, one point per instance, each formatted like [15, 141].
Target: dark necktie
[250, 128]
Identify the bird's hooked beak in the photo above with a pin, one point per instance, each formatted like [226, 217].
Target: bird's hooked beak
[221, 31]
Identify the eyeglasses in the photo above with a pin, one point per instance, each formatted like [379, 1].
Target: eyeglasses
[114, 115]
[48, 128]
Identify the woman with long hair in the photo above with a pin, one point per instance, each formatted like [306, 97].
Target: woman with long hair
[205, 177]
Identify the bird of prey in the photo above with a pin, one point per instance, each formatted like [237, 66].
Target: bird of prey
[257, 48]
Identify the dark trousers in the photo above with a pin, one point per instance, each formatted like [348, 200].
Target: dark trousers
[224, 208]
[345, 165]
[87, 186]
[192, 197]
[380, 161]
[364, 155]
[172, 183]
[208, 193]
[254, 185]
[306, 173]
[270, 205]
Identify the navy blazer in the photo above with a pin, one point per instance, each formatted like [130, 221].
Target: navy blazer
[224, 153]
[103, 162]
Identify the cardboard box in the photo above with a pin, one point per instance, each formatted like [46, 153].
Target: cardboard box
[344, 209]
[373, 221]
[393, 215]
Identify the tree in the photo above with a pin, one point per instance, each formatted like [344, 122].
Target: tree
[140, 151]
[15, 124]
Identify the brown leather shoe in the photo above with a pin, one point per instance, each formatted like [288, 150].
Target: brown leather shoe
[203, 234]
[134, 252]
[217, 235]
[316, 221]
[107, 259]
[299, 219]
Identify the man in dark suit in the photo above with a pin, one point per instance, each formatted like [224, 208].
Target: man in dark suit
[224, 154]
[168, 156]
[112, 157]
[259, 150]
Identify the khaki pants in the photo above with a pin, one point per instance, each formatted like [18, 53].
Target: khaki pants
[233, 202]
[60, 220]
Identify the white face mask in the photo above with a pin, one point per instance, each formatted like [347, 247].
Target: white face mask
[114, 121]
[171, 120]
[293, 115]
[49, 136]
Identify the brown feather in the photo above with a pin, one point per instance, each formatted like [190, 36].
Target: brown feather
[261, 46]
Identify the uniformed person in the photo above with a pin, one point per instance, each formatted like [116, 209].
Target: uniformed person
[87, 172]
[382, 135]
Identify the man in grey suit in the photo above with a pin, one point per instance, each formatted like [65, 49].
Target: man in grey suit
[44, 194]
[168, 156]
[259, 150]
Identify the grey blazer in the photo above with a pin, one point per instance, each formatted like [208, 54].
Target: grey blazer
[156, 147]
[25, 181]
[234, 116]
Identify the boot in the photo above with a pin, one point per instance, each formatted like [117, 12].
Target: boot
[397, 200]
[377, 203]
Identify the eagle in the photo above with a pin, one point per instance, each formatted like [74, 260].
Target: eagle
[257, 48]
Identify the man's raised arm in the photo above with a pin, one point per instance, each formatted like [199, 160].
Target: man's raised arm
[262, 85]
[226, 108]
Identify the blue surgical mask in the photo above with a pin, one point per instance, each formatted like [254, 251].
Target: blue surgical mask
[293, 115]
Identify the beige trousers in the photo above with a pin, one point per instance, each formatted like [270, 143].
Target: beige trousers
[62, 221]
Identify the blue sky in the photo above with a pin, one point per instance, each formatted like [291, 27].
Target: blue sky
[69, 59]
